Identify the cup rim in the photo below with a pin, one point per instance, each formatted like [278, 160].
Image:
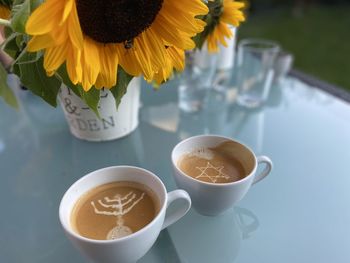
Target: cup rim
[272, 45]
[71, 232]
[208, 183]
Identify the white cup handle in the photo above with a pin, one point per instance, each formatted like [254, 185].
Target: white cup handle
[266, 160]
[171, 218]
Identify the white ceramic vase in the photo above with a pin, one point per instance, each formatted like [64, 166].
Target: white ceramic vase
[112, 124]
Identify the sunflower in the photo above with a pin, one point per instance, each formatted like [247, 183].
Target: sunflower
[4, 12]
[229, 13]
[93, 37]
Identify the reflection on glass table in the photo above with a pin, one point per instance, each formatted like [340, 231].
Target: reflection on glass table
[221, 236]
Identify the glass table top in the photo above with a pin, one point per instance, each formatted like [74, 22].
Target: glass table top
[299, 213]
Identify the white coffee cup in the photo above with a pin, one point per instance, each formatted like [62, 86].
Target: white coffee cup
[210, 198]
[133, 247]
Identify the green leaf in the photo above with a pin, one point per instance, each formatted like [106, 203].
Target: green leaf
[120, 89]
[8, 31]
[91, 97]
[28, 57]
[20, 16]
[15, 70]
[35, 3]
[5, 90]
[33, 77]
[211, 19]
[20, 41]
[17, 2]
[62, 75]
[11, 47]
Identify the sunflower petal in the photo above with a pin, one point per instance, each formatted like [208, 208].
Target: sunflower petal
[74, 29]
[170, 35]
[127, 60]
[5, 12]
[177, 57]
[143, 57]
[67, 9]
[40, 42]
[54, 57]
[212, 43]
[196, 7]
[109, 63]
[73, 63]
[44, 18]
[177, 20]
[90, 63]
[155, 47]
[234, 4]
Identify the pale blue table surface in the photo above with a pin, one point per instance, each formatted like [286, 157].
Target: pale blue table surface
[300, 213]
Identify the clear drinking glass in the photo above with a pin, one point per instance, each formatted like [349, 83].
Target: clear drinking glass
[196, 80]
[255, 71]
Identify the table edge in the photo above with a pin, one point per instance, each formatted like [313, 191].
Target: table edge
[321, 84]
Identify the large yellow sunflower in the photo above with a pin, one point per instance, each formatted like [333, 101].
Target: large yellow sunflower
[230, 15]
[93, 37]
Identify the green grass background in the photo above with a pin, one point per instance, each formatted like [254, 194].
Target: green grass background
[319, 39]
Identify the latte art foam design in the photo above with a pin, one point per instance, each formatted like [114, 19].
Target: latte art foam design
[207, 154]
[121, 206]
[219, 165]
[213, 178]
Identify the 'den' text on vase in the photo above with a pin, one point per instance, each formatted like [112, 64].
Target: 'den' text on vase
[92, 124]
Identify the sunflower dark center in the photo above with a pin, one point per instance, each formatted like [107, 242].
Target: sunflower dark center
[116, 21]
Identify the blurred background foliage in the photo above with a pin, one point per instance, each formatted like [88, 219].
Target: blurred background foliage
[316, 32]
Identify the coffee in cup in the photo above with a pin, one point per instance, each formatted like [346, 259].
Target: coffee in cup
[114, 210]
[213, 164]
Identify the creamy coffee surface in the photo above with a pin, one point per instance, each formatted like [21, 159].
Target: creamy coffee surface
[212, 165]
[114, 210]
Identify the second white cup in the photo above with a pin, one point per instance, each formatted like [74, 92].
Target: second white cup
[210, 198]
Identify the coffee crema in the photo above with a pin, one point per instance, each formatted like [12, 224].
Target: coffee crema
[114, 210]
[212, 165]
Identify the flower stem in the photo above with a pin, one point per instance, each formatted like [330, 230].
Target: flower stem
[4, 22]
